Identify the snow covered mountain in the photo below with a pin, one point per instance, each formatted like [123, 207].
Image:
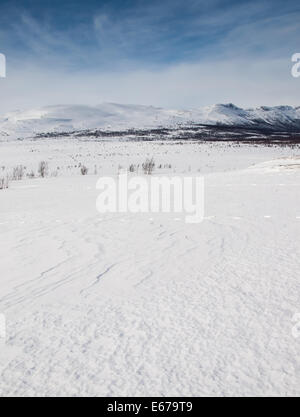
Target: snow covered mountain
[110, 116]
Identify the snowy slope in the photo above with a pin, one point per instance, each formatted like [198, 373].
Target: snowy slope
[64, 118]
[119, 305]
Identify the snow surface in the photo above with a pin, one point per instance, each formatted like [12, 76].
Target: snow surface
[146, 305]
[65, 118]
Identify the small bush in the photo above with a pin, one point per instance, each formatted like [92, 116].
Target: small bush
[31, 175]
[18, 173]
[148, 166]
[3, 183]
[84, 170]
[43, 169]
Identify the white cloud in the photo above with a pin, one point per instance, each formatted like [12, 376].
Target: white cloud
[243, 82]
[249, 65]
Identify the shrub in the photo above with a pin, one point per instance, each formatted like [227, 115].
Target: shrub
[18, 173]
[43, 169]
[148, 166]
[31, 175]
[84, 170]
[3, 183]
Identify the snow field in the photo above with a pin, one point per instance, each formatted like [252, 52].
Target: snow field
[143, 304]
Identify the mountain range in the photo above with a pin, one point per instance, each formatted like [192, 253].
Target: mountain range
[108, 118]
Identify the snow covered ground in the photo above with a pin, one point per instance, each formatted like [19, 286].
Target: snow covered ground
[146, 305]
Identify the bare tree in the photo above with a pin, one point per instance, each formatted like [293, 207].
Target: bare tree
[18, 173]
[3, 182]
[148, 166]
[43, 169]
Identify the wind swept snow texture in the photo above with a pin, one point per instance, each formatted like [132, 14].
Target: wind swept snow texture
[117, 117]
[135, 305]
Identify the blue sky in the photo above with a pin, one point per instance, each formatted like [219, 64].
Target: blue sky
[174, 53]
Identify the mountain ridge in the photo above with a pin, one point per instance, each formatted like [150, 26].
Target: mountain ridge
[122, 117]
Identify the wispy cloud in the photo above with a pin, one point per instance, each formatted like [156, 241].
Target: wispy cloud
[171, 53]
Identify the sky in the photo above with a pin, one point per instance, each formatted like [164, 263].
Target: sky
[167, 53]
